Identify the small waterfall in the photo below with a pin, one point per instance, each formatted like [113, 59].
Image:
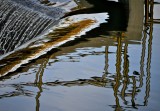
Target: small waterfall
[23, 20]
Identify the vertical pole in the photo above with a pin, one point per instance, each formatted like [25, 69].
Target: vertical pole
[106, 64]
[146, 11]
[125, 72]
[118, 73]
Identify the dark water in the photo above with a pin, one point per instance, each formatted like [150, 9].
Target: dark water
[112, 68]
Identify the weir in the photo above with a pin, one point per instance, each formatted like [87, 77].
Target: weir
[21, 21]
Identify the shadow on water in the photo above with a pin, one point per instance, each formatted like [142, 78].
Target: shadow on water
[113, 44]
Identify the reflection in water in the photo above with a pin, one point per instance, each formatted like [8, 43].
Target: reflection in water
[126, 85]
[125, 73]
[118, 73]
[19, 91]
[149, 20]
[39, 82]
[148, 31]
[149, 59]
[120, 82]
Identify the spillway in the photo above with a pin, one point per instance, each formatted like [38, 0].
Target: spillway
[21, 21]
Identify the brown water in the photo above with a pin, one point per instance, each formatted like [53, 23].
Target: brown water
[113, 70]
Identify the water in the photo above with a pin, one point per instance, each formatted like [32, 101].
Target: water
[106, 69]
[21, 21]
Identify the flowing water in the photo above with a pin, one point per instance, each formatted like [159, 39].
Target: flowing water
[20, 22]
[99, 57]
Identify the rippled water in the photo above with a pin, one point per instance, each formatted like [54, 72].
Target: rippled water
[107, 69]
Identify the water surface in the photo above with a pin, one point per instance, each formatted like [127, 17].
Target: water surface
[107, 69]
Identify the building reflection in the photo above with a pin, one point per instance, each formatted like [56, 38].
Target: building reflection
[147, 35]
[122, 80]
